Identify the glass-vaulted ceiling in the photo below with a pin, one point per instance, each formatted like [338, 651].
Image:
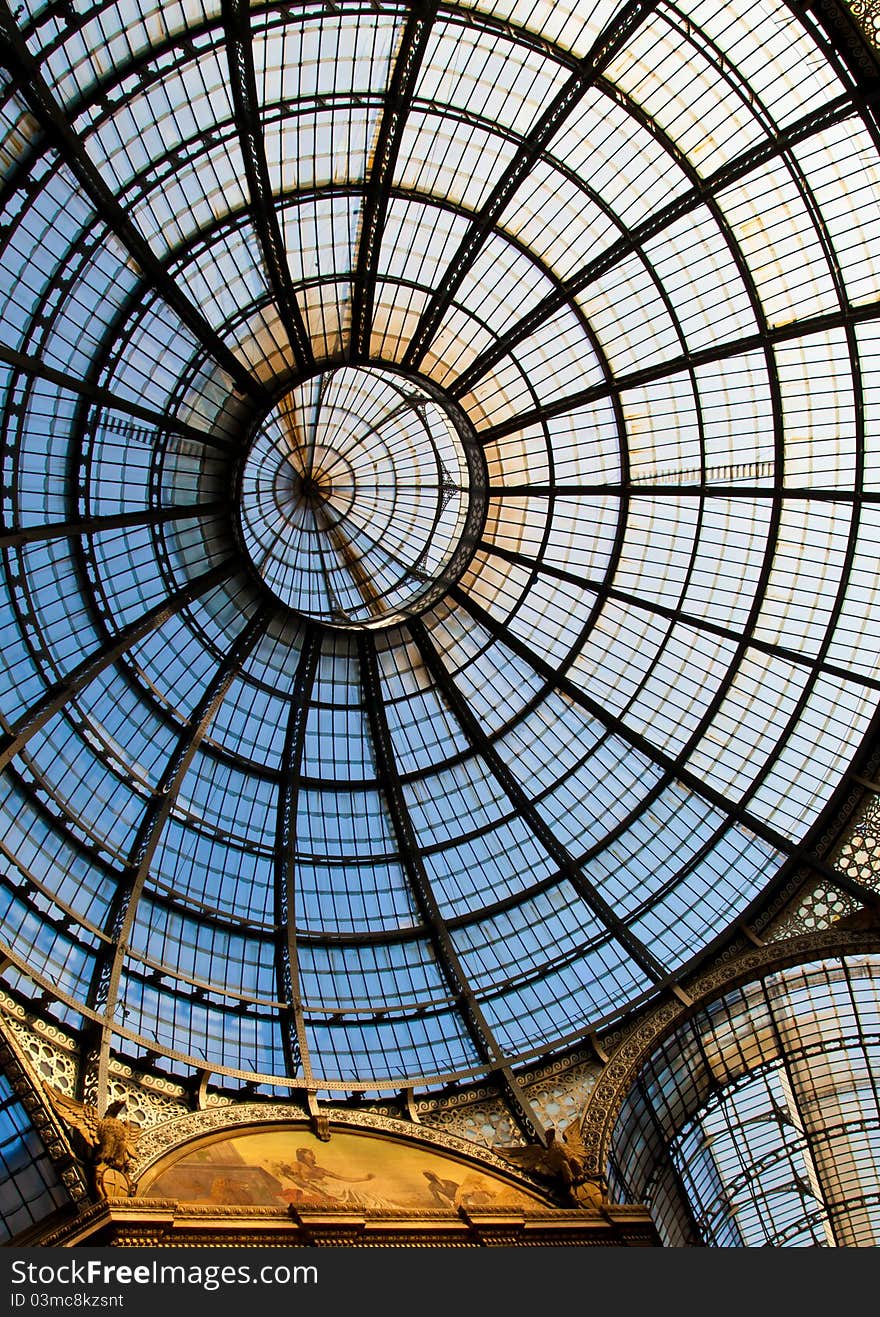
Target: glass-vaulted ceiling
[440, 512]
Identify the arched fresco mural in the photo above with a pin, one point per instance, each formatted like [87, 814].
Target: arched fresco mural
[271, 1167]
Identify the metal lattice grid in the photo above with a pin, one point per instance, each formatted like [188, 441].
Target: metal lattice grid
[756, 1123]
[627, 251]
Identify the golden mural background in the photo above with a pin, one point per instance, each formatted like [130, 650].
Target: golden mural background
[269, 1168]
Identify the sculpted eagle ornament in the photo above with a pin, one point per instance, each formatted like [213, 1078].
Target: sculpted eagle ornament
[107, 1143]
[563, 1163]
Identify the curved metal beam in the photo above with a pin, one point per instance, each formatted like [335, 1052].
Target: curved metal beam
[746, 343]
[54, 122]
[243, 81]
[397, 106]
[107, 975]
[16, 536]
[524, 807]
[294, 1038]
[646, 1031]
[838, 111]
[693, 620]
[609, 42]
[36, 368]
[459, 987]
[55, 698]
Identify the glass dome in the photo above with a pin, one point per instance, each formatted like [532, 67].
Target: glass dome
[440, 513]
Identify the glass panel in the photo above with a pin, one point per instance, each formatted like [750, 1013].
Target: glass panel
[439, 517]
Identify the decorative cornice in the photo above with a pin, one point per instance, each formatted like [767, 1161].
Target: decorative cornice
[167, 1223]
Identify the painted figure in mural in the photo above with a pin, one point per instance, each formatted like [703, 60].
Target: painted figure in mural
[224, 1189]
[471, 1192]
[442, 1191]
[474, 1193]
[323, 1185]
[107, 1142]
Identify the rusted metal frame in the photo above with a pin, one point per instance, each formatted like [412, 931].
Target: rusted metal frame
[589, 68]
[60, 132]
[67, 688]
[243, 82]
[526, 810]
[398, 101]
[345, 550]
[348, 549]
[294, 1037]
[107, 975]
[17, 536]
[448, 960]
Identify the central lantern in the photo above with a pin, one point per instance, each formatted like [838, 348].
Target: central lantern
[361, 496]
